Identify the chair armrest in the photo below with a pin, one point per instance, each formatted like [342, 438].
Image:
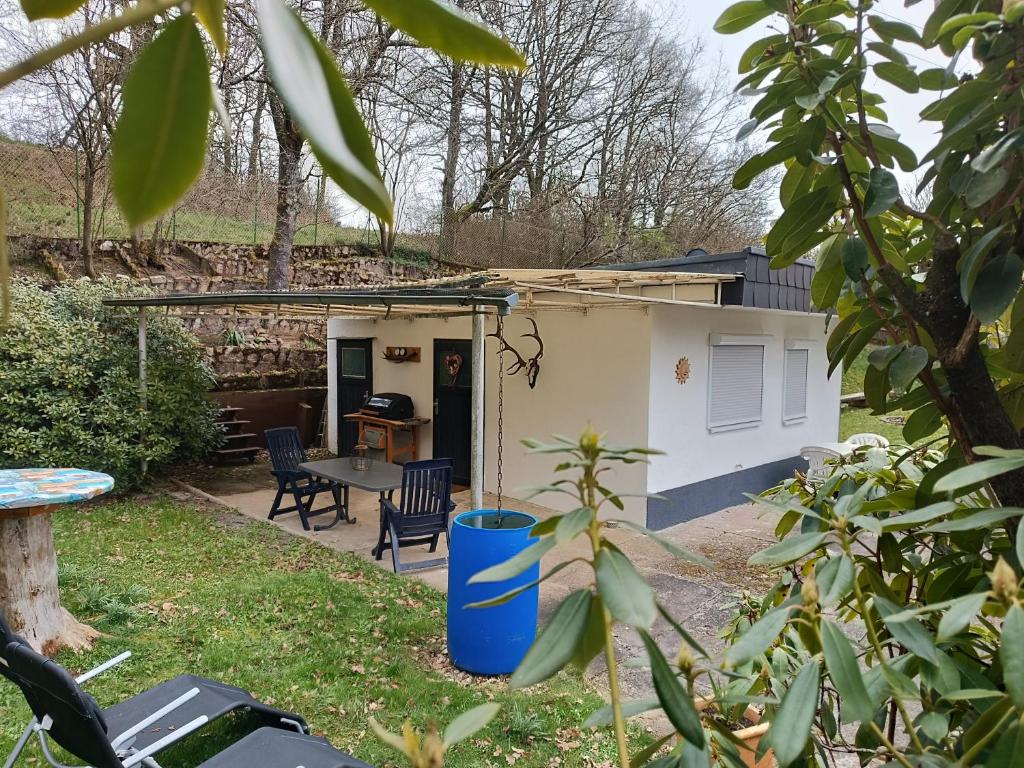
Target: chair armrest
[95, 672]
[390, 507]
[290, 474]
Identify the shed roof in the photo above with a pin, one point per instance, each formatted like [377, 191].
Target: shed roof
[500, 290]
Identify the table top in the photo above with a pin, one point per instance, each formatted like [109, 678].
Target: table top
[415, 421]
[380, 476]
[37, 486]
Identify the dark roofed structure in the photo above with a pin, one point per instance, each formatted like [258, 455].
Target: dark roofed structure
[757, 285]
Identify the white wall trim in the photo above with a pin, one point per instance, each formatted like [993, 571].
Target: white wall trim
[751, 340]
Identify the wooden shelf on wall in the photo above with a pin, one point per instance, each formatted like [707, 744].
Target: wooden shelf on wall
[402, 354]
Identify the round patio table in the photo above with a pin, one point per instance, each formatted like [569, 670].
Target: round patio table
[29, 597]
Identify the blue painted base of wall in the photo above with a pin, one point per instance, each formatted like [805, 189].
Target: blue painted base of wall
[702, 498]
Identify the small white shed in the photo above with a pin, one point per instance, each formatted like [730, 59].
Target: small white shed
[652, 357]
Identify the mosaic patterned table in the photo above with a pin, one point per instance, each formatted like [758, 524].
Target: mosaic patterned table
[29, 597]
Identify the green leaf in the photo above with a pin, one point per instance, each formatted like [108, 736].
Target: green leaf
[1009, 748]
[997, 286]
[741, 15]
[904, 369]
[668, 545]
[979, 519]
[845, 673]
[790, 729]
[788, 550]
[448, 30]
[977, 473]
[1020, 544]
[789, 236]
[894, 30]
[760, 163]
[984, 186]
[925, 421]
[592, 641]
[758, 637]
[1011, 654]
[909, 633]
[960, 614]
[937, 79]
[308, 81]
[625, 593]
[829, 276]
[747, 128]
[678, 705]
[855, 258]
[835, 579]
[515, 564]
[159, 144]
[900, 75]
[918, 516]
[883, 192]
[468, 723]
[557, 643]
[604, 716]
[972, 261]
[959, 20]
[573, 524]
[50, 9]
[211, 15]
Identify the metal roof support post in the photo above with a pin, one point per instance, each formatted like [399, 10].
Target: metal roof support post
[476, 472]
[142, 373]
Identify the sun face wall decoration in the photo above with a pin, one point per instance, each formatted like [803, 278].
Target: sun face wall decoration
[682, 370]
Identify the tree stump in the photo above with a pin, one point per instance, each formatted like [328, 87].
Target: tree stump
[29, 596]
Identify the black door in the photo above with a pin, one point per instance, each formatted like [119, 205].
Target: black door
[453, 404]
[355, 384]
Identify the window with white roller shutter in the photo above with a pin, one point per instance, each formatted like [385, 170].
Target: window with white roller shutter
[736, 382]
[794, 381]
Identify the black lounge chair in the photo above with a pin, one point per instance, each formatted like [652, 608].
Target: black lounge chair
[421, 517]
[133, 732]
[286, 453]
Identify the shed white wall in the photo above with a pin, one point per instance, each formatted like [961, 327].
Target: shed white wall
[678, 412]
[595, 369]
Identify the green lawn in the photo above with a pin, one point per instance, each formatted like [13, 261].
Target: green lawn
[303, 627]
[854, 420]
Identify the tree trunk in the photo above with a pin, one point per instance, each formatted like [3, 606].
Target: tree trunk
[449, 219]
[29, 597]
[289, 182]
[88, 201]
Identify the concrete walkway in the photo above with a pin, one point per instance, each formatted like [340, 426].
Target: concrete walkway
[699, 597]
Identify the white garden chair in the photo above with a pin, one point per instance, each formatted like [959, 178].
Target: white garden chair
[817, 457]
[868, 438]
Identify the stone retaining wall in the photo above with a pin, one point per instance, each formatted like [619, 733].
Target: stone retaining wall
[276, 352]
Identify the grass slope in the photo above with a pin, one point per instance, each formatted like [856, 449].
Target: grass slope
[303, 627]
[854, 420]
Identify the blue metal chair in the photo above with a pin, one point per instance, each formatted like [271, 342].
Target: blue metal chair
[421, 516]
[286, 453]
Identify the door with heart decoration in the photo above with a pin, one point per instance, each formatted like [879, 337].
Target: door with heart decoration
[453, 404]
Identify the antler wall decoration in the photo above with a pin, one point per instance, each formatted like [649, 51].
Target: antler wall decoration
[531, 366]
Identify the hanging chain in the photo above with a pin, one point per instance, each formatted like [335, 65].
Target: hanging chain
[501, 405]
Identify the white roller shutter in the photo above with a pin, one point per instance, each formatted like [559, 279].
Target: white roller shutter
[736, 385]
[794, 390]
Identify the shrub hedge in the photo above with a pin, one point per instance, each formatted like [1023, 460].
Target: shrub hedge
[69, 384]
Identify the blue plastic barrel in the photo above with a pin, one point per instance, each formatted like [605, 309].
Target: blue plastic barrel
[490, 641]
